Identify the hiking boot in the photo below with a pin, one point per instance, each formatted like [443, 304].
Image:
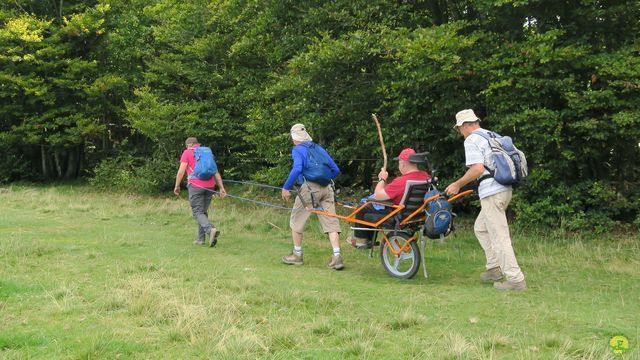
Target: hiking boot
[336, 263]
[198, 242]
[213, 237]
[508, 285]
[359, 243]
[493, 274]
[293, 259]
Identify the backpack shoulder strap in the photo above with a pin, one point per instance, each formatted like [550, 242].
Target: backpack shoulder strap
[486, 134]
[481, 133]
[193, 153]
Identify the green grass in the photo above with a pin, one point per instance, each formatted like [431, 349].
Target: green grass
[87, 275]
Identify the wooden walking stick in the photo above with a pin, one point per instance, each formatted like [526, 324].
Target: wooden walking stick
[384, 150]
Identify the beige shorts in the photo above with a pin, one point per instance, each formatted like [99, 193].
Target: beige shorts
[322, 198]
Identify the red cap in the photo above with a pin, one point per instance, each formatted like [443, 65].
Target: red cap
[404, 154]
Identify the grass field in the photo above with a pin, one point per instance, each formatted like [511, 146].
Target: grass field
[86, 275]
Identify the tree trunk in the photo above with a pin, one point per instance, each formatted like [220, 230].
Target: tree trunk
[436, 11]
[56, 157]
[80, 159]
[72, 164]
[45, 166]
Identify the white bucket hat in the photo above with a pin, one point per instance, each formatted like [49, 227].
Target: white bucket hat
[299, 133]
[463, 116]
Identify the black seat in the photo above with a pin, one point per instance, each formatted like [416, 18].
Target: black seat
[413, 197]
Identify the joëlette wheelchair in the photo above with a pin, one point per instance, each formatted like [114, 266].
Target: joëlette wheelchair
[400, 226]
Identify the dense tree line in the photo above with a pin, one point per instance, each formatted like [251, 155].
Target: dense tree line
[109, 89]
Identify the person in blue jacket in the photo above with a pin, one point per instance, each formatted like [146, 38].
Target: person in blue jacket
[315, 191]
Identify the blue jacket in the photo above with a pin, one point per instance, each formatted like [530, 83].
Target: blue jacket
[300, 156]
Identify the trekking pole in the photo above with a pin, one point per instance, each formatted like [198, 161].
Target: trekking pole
[384, 151]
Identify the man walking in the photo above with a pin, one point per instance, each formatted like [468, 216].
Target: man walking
[315, 191]
[491, 227]
[200, 188]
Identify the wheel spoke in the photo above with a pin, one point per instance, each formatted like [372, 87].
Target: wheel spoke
[395, 245]
[396, 262]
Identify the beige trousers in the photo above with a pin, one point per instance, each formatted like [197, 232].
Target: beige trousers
[319, 196]
[492, 230]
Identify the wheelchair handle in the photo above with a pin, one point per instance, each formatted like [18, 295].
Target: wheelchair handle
[458, 195]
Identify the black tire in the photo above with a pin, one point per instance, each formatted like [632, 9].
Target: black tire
[407, 263]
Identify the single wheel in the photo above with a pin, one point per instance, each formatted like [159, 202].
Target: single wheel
[399, 257]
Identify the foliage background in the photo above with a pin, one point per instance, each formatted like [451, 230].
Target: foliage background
[110, 89]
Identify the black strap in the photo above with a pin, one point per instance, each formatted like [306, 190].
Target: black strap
[484, 177]
[313, 200]
[299, 193]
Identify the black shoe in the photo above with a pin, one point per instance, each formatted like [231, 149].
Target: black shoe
[213, 237]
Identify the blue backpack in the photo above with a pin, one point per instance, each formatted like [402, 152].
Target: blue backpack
[511, 164]
[439, 220]
[205, 164]
[318, 169]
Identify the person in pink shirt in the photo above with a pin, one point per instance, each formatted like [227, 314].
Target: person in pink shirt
[200, 193]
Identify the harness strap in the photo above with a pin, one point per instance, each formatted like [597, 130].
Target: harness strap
[484, 177]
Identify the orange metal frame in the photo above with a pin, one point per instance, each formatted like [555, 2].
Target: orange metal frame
[396, 209]
[404, 248]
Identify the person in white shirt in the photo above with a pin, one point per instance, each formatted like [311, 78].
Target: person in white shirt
[491, 227]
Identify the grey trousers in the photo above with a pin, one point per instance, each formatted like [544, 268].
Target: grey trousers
[200, 198]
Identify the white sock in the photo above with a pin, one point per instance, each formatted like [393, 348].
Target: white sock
[336, 251]
[297, 250]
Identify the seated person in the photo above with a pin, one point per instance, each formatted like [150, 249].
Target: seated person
[385, 191]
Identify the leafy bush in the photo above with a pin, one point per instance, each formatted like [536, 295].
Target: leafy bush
[13, 165]
[596, 206]
[115, 174]
[140, 175]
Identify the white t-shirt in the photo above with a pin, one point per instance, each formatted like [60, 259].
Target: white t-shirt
[478, 151]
